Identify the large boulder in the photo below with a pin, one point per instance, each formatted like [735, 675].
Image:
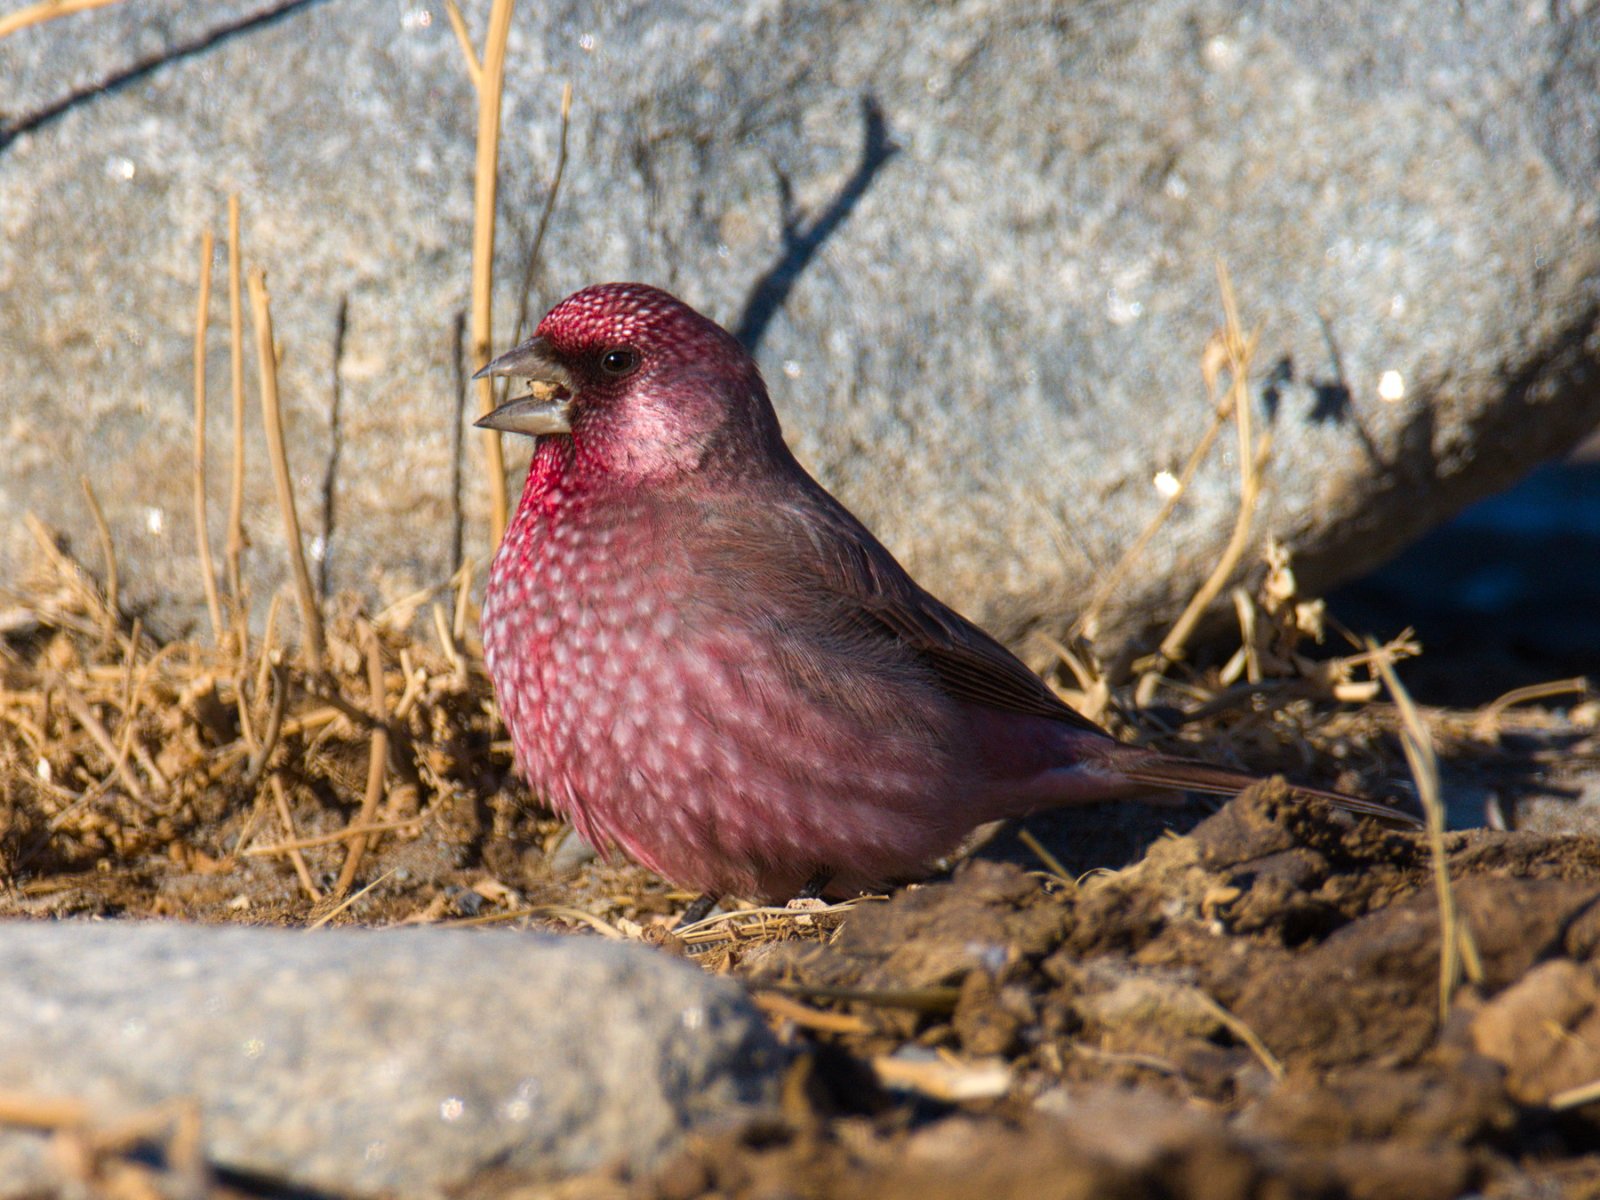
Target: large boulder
[374, 1063]
[973, 246]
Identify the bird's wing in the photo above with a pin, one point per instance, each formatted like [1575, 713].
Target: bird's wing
[872, 593]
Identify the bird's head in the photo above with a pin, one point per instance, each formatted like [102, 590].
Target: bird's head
[641, 383]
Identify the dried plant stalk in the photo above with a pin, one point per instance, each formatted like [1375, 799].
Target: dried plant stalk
[377, 760]
[314, 650]
[490, 83]
[46, 10]
[1458, 952]
[108, 551]
[1252, 460]
[202, 536]
[234, 549]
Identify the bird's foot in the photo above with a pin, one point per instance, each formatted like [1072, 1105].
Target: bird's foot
[814, 887]
[698, 910]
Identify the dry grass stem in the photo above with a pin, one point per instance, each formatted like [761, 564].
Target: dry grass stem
[1458, 952]
[377, 762]
[46, 10]
[84, 715]
[464, 40]
[314, 649]
[340, 835]
[489, 84]
[775, 1005]
[347, 902]
[1487, 725]
[280, 800]
[447, 642]
[1238, 351]
[25, 1110]
[1089, 622]
[1051, 863]
[1244, 1033]
[1093, 696]
[262, 755]
[108, 551]
[233, 549]
[945, 1079]
[267, 659]
[1575, 1097]
[202, 535]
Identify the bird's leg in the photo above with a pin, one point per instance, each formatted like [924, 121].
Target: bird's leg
[815, 886]
[699, 909]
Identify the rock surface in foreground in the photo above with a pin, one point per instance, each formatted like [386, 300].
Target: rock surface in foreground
[973, 246]
[364, 1062]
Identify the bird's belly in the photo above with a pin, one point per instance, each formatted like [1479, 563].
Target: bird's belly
[686, 743]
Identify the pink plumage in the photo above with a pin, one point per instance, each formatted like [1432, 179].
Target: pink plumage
[705, 660]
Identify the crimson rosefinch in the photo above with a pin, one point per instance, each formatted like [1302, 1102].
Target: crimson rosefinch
[704, 659]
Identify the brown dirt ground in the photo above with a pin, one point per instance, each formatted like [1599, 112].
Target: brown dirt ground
[1165, 1003]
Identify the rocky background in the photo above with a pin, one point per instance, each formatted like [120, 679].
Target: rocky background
[973, 246]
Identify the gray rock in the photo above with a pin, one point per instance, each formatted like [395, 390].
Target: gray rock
[972, 244]
[373, 1062]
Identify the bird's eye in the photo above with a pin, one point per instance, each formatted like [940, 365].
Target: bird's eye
[619, 362]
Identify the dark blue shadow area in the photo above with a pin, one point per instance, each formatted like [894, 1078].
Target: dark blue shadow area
[1506, 594]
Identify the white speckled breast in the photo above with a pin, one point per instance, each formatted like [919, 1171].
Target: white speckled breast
[655, 718]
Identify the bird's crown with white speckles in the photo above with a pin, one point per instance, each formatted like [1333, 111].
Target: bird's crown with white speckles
[608, 314]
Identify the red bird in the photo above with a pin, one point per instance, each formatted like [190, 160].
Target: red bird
[704, 659]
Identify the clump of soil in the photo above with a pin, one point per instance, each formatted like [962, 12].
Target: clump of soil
[1249, 1010]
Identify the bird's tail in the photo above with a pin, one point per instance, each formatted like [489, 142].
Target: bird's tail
[1162, 771]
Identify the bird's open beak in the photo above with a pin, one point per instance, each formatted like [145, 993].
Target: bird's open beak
[548, 408]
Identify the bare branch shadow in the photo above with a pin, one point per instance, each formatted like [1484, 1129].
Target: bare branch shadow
[801, 244]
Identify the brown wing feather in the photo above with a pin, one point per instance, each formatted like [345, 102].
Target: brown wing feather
[821, 546]
[856, 568]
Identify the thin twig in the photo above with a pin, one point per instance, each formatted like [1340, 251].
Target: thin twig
[202, 537]
[266, 662]
[1244, 1033]
[46, 10]
[269, 739]
[1050, 861]
[347, 902]
[108, 549]
[1089, 622]
[279, 799]
[464, 40]
[1485, 726]
[338, 835]
[26, 1110]
[490, 84]
[84, 715]
[1252, 460]
[377, 761]
[1458, 952]
[272, 416]
[806, 1017]
[1574, 1097]
[234, 547]
[281, 803]
[447, 643]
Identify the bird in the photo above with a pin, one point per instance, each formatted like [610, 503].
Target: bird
[706, 661]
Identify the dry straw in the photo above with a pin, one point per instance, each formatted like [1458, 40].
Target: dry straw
[1234, 353]
[1458, 952]
[46, 10]
[488, 79]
